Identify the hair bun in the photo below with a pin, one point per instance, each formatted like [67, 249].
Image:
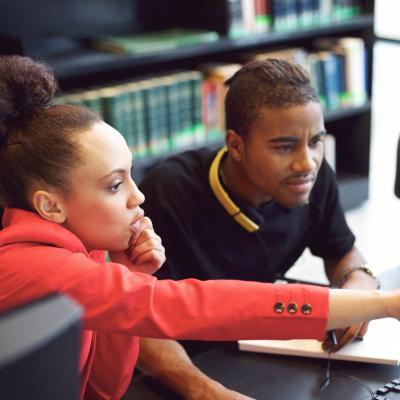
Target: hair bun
[25, 85]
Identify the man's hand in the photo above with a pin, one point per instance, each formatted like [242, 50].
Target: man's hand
[167, 362]
[145, 253]
[345, 336]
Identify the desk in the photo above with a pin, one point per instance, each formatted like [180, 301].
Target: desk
[265, 376]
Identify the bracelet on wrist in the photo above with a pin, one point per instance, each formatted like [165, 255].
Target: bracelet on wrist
[365, 268]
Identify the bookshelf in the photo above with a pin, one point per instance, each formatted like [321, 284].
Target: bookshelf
[79, 67]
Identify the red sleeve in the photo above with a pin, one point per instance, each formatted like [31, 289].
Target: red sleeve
[116, 300]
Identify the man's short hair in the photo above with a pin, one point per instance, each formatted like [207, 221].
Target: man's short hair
[271, 83]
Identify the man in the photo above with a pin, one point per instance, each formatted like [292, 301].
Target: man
[249, 210]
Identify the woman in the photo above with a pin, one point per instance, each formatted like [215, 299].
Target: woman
[68, 195]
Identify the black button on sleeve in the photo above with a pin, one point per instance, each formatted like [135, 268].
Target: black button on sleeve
[279, 307]
[292, 308]
[306, 309]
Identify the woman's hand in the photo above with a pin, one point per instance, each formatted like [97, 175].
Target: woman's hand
[145, 253]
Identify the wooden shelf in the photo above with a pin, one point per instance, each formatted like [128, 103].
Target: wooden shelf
[340, 113]
[84, 61]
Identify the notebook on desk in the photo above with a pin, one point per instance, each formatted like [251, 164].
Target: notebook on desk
[381, 345]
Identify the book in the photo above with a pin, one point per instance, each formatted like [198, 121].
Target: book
[196, 79]
[140, 148]
[234, 19]
[330, 78]
[379, 346]
[186, 135]
[116, 109]
[354, 69]
[330, 150]
[314, 66]
[154, 41]
[351, 64]
[216, 75]
[156, 114]
[262, 15]
[249, 16]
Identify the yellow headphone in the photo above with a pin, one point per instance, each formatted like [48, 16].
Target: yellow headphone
[223, 197]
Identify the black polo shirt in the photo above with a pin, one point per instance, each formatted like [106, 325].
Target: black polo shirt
[202, 241]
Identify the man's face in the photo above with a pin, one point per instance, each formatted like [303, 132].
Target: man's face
[103, 206]
[282, 155]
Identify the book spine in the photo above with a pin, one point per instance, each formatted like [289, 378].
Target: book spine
[196, 79]
[330, 79]
[210, 110]
[185, 136]
[325, 11]
[355, 70]
[172, 93]
[127, 110]
[262, 16]
[112, 109]
[316, 75]
[156, 112]
[235, 19]
[140, 149]
[292, 21]
[249, 17]
[306, 13]
[278, 15]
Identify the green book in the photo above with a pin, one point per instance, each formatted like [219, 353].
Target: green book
[196, 79]
[140, 146]
[173, 109]
[127, 114]
[154, 41]
[161, 114]
[185, 135]
[155, 116]
[113, 99]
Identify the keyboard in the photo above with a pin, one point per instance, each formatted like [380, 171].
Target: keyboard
[389, 391]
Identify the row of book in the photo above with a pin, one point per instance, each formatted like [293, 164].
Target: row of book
[234, 18]
[255, 16]
[294, 14]
[155, 114]
[181, 109]
[338, 68]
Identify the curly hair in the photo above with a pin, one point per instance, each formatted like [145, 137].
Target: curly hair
[38, 141]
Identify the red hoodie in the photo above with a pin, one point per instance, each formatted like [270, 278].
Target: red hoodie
[38, 257]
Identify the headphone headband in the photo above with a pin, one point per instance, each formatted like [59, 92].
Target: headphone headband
[223, 197]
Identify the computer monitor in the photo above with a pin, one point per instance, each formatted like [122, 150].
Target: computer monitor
[397, 180]
[39, 350]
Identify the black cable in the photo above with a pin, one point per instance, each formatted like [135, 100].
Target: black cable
[328, 377]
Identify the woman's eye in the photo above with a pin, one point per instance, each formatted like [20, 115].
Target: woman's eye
[116, 186]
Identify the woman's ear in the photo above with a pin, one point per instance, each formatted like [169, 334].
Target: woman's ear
[49, 206]
[234, 142]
